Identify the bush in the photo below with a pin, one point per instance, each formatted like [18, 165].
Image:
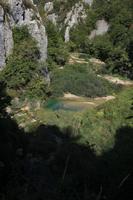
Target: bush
[119, 63]
[79, 80]
[101, 47]
[37, 89]
[18, 72]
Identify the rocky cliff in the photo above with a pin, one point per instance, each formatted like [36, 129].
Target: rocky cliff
[76, 14]
[67, 15]
[20, 13]
[102, 27]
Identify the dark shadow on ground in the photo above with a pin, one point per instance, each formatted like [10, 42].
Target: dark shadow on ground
[50, 164]
[117, 166]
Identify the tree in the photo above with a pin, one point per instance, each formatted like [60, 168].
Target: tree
[57, 49]
[119, 62]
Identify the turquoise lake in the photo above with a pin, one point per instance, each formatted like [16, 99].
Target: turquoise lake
[68, 105]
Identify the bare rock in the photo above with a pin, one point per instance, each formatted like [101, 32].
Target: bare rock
[20, 15]
[76, 14]
[101, 28]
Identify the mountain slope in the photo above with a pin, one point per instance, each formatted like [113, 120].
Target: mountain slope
[20, 13]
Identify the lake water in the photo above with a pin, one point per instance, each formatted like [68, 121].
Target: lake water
[57, 104]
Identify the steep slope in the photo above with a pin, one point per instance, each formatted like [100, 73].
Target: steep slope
[20, 13]
[69, 14]
[102, 30]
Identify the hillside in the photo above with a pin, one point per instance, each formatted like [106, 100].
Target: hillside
[66, 100]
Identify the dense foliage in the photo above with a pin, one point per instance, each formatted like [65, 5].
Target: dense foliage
[23, 71]
[22, 64]
[99, 125]
[115, 46]
[79, 80]
[57, 49]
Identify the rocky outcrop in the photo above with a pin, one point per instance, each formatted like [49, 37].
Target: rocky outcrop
[101, 28]
[21, 13]
[2, 45]
[6, 39]
[73, 17]
[48, 7]
[49, 10]
[53, 18]
[88, 2]
[67, 19]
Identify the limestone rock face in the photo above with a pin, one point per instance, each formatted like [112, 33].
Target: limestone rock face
[17, 10]
[20, 15]
[2, 45]
[73, 17]
[88, 2]
[53, 18]
[101, 28]
[68, 19]
[48, 7]
[8, 37]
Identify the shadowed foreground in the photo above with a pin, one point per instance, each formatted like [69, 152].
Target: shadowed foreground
[49, 164]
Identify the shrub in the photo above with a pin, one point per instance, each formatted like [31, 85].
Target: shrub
[79, 80]
[119, 63]
[37, 88]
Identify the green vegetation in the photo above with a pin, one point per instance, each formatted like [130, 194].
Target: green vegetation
[95, 126]
[99, 125]
[22, 64]
[61, 7]
[79, 80]
[79, 34]
[115, 47]
[57, 49]
[56, 154]
[40, 6]
[62, 161]
[23, 71]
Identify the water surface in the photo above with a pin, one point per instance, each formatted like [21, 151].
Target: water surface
[69, 105]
